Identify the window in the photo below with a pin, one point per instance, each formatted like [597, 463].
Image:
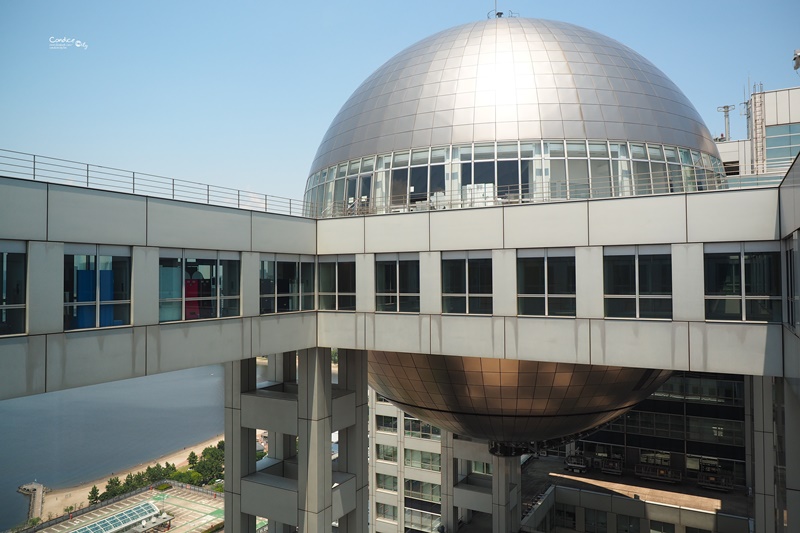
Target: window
[423, 460]
[627, 524]
[13, 287]
[661, 527]
[751, 293]
[386, 423]
[637, 282]
[430, 492]
[384, 511]
[337, 283]
[397, 282]
[595, 521]
[97, 286]
[467, 282]
[384, 452]
[287, 283]
[546, 282]
[782, 145]
[696, 530]
[198, 284]
[386, 482]
[421, 430]
[565, 515]
[478, 467]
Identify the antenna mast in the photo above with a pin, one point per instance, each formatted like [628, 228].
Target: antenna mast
[726, 109]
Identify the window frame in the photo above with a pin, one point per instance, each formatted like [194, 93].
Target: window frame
[743, 297]
[13, 312]
[338, 297]
[305, 300]
[638, 253]
[73, 299]
[469, 297]
[388, 301]
[222, 302]
[545, 254]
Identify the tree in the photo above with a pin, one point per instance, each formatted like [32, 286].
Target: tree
[94, 495]
[128, 485]
[221, 445]
[192, 459]
[114, 487]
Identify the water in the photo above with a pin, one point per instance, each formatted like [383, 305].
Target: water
[71, 437]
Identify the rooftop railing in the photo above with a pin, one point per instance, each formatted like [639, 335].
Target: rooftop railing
[63, 171]
[23, 165]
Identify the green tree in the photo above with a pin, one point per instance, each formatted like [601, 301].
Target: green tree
[221, 445]
[192, 459]
[94, 495]
[114, 487]
[128, 485]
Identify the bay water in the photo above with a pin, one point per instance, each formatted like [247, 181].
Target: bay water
[65, 438]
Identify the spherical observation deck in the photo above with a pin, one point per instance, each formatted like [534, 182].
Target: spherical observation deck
[510, 111]
[499, 112]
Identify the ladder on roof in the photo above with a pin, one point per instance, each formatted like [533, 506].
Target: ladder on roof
[759, 131]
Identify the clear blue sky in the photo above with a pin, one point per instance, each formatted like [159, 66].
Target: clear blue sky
[239, 94]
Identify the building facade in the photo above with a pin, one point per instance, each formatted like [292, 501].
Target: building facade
[540, 260]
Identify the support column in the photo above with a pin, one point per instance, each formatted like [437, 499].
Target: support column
[240, 444]
[449, 479]
[354, 440]
[282, 368]
[501, 515]
[763, 454]
[315, 513]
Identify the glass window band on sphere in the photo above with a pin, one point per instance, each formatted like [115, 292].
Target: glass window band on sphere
[543, 172]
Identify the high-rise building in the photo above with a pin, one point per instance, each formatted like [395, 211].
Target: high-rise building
[521, 227]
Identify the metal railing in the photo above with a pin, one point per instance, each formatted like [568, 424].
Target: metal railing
[66, 172]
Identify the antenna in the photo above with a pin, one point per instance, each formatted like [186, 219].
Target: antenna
[494, 13]
[726, 109]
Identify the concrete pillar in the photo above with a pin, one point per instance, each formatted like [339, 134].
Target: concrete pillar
[501, 500]
[353, 441]
[315, 513]
[763, 454]
[240, 444]
[281, 368]
[449, 480]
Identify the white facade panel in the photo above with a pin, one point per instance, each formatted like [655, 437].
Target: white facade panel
[504, 282]
[478, 336]
[181, 345]
[80, 358]
[736, 348]
[794, 104]
[771, 108]
[283, 234]
[398, 332]
[546, 225]
[23, 210]
[365, 283]
[743, 215]
[23, 361]
[561, 340]
[283, 333]
[642, 220]
[45, 309]
[144, 286]
[97, 217]
[430, 280]
[467, 229]
[341, 330]
[272, 497]
[688, 289]
[185, 225]
[782, 107]
[397, 233]
[250, 286]
[589, 282]
[340, 236]
[640, 343]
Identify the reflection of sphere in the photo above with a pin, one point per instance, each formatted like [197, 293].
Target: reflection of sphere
[506, 400]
